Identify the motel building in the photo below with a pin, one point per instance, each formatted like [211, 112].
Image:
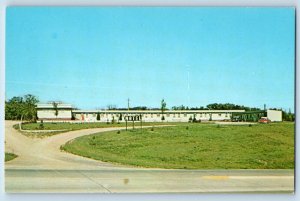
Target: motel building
[66, 113]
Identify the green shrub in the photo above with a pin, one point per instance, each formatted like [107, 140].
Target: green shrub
[41, 126]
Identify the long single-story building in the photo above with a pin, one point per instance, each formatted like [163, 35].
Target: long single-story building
[65, 112]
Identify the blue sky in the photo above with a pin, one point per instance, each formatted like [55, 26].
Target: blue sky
[93, 57]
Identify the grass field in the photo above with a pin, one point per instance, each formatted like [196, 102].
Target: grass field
[9, 156]
[194, 146]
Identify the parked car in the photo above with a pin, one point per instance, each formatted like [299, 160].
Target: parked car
[264, 120]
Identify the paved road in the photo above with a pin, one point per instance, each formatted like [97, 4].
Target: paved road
[42, 167]
[136, 181]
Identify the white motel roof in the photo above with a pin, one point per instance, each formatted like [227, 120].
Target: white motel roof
[69, 106]
[157, 111]
[50, 106]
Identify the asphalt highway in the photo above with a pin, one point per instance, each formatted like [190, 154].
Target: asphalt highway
[148, 181]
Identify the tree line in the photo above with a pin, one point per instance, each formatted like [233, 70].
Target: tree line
[213, 106]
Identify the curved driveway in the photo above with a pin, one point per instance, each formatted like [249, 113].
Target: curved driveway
[45, 152]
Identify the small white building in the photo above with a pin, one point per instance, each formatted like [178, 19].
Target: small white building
[274, 115]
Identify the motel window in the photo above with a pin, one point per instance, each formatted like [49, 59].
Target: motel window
[226, 115]
[174, 115]
[158, 115]
[94, 114]
[185, 114]
[168, 115]
[201, 115]
[102, 115]
[151, 115]
[86, 115]
[178, 115]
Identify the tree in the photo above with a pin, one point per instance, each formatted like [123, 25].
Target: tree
[98, 116]
[29, 108]
[55, 108]
[73, 116]
[163, 108]
[194, 118]
[111, 107]
[13, 108]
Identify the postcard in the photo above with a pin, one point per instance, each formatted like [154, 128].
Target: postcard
[150, 100]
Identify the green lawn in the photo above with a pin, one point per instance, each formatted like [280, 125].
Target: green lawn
[194, 146]
[9, 156]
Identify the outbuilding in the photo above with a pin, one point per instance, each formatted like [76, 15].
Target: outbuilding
[274, 115]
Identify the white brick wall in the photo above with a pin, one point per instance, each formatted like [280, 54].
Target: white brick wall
[274, 115]
[50, 114]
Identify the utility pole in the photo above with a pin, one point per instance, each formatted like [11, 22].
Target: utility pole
[128, 100]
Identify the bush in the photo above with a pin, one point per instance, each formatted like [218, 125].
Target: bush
[118, 132]
[92, 143]
[98, 116]
[113, 120]
[163, 118]
[41, 126]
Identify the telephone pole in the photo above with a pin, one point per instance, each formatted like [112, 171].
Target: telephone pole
[128, 100]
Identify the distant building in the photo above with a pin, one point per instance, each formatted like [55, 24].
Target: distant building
[46, 112]
[274, 115]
